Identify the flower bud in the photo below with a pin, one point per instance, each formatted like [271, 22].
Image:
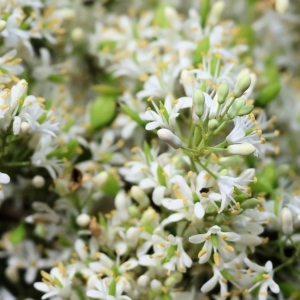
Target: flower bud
[134, 211]
[214, 108]
[83, 220]
[25, 127]
[12, 274]
[139, 196]
[249, 203]
[213, 124]
[132, 235]
[143, 281]
[199, 100]
[155, 285]
[169, 137]
[215, 12]
[38, 181]
[2, 25]
[239, 103]
[91, 282]
[241, 149]
[281, 6]
[107, 182]
[286, 221]
[77, 34]
[222, 93]
[173, 279]
[246, 110]
[242, 85]
[148, 215]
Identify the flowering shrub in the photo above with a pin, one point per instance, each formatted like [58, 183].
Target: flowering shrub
[141, 154]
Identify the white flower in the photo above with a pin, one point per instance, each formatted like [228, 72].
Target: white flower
[165, 116]
[56, 284]
[266, 281]
[104, 290]
[226, 186]
[169, 253]
[215, 240]
[4, 179]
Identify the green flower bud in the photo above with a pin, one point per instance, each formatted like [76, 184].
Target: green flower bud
[222, 93]
[246, 110]
[134, 211]
[199, 100]
[213, 124]
[242, 85]
[250, 203]
[173, 279]
[239, 103]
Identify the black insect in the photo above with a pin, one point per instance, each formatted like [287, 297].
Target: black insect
[204, 190]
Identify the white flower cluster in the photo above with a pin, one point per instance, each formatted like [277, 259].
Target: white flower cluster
[146, 168]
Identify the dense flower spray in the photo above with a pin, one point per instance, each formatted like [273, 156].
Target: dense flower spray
[139, 150]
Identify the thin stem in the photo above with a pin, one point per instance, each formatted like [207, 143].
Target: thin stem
[17, 164]
[206, 169]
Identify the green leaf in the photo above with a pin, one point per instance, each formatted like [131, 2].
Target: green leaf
[268, 94]
[18, 234]
[102, 111]
[202, 47]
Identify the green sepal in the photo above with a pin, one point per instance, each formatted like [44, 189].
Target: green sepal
[111, 187]
[147, 153]
[170, 254]
[214, 240]
[18, 234]
[112, 288]
[160, 176]
[102, 111]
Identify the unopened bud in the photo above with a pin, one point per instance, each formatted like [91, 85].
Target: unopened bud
[241, 149]
[213, 124]
[155, 285]
[83, 220]
[242, 85]
[107, 182]
[77, 34]
[246, 110]
[249, 203]
[281, 6]
[173, 279]
[100, 179]
[91, 282]
[25, 127]
[199, 101]
[148, 216]
[170, 138]
[12, 273]
[286, 221]
[139, 196]
[132, 235]
[2, 25]
[38, 181]
[216, 12]
[134, 212]
[222, 93]
[143, 281]
[239, 103]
